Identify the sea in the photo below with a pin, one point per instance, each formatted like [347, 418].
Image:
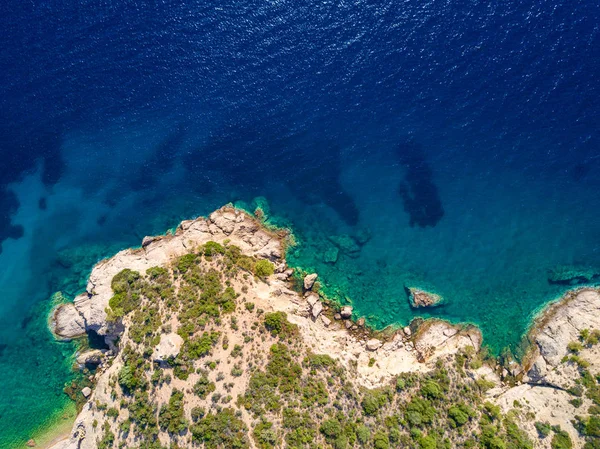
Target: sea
[452, 146]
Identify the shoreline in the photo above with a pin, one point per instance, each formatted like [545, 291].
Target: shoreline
[60, 430]
[55, 431]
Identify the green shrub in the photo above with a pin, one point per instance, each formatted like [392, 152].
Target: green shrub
[198, 413]
[128, 379]
[278, 324]
[373, 400]
[431, 390]
[561, 440]
[264, 435]
[221, 430]
[543, 428]
[171, 416]
[318, 361]
[459, 414]
[186, 261]
[331, 428]
[203, 387]
[419, 412]
[381, 440]
[125, 286]
[263, 268]
[211, 248]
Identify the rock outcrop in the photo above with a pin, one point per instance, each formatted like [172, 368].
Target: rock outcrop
[551, 373]
[88, 310]
[420, 298]
[169, 347]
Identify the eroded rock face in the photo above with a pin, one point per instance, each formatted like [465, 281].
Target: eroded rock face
[420, 298]
[560, 325]
[88, 311]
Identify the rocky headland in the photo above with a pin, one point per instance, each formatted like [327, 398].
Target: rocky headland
[213, 341]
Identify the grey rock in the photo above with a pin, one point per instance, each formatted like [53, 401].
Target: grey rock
[346, 312]
[67, 323]
[373, 344]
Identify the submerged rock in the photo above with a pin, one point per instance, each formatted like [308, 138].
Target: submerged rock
[572, 274]
[346, 244]
[420, 298]
[331, 255]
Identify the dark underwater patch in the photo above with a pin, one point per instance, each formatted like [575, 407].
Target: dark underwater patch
[251, 156]
[160, 162]
[19, 152]
[418, 191]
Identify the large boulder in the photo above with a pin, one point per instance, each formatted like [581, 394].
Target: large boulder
[309, 280]
[317, 308]
[346, 312]
[67, 323]
[169, 346]
[420, 298]
[373, 344]
[93, 357]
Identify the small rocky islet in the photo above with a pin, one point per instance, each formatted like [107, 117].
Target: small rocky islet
[212, 341]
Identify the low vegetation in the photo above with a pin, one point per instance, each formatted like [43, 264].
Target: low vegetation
[245, 376]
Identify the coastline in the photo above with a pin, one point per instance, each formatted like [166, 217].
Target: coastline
[388, 349]
[56, 430]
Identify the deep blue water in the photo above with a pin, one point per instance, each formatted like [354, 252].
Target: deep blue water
[461, 136]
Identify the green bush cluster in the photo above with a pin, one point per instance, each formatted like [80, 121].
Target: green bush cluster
[221, 430]
[278, 324]
[171, 417]
[126, 288]
[263, 268]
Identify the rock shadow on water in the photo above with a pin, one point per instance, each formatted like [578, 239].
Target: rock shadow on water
[418, 191]
[254, 156]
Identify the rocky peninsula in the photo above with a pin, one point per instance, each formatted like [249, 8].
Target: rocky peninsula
[212, 341]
